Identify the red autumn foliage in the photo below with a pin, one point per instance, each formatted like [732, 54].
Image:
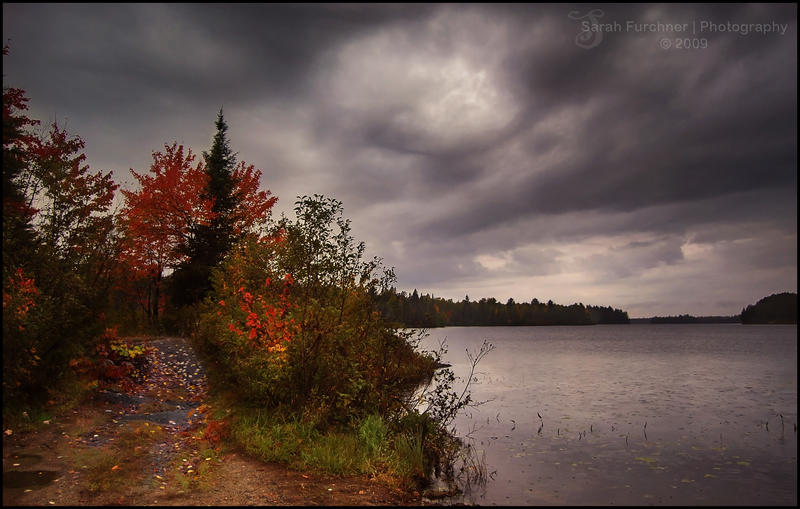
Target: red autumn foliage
[20, 297]
[73, 200]
[269, 322]
[216, 431]
[165, 212]
[253, 205]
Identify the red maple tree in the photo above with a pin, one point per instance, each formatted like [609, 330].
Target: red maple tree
[161, 217]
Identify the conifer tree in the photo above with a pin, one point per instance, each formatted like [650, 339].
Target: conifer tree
[238, 207]
[191, 281]
[220, 164]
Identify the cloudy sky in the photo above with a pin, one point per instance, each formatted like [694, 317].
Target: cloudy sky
[491, 150]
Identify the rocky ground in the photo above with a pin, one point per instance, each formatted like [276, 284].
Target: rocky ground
[146, 444]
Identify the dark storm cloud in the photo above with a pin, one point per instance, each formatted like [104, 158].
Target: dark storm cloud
[474, 145]
[195, 49]
[664, 126]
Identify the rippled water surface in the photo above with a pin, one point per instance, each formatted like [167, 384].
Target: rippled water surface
[631, 414]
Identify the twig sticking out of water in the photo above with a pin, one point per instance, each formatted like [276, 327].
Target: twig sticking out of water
[540, 429]
[514, 426]
[626, 440]
[590, 428]
[558, 431]
[767, 424]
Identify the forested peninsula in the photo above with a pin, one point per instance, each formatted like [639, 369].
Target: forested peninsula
[778, 308]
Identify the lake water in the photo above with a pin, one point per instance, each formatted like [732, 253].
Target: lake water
[630, 414]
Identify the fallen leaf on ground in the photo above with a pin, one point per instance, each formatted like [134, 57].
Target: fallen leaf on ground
[115, 467]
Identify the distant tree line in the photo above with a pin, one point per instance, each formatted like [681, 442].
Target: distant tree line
[415, 310]
[777, 308]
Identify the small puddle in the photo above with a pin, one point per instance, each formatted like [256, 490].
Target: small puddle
[28, 478]
[170, 417]
[26, 460]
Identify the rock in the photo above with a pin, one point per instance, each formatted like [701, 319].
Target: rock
[441, 488]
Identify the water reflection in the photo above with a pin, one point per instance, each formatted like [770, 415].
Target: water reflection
[638, 414]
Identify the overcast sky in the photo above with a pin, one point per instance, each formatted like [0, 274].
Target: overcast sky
[482, 150]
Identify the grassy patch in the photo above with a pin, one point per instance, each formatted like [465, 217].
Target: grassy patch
[122, 463]
[85, 421]
[272, 438]
[22, 418]
[336, 453]
[367, 447]
[408, 457]
[192, 469]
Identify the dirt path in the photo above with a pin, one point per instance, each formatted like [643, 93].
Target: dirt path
[142, 444]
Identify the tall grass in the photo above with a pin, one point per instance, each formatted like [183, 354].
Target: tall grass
[370, 446]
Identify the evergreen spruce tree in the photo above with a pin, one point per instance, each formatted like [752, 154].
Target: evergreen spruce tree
[206, 249]
[220, 163]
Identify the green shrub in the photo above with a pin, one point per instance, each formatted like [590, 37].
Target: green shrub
[373, 432]
[293, 321]
[294, 335]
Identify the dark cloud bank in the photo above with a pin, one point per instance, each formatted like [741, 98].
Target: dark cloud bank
[479, 149]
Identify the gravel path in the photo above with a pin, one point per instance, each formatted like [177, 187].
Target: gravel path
[45, 467]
